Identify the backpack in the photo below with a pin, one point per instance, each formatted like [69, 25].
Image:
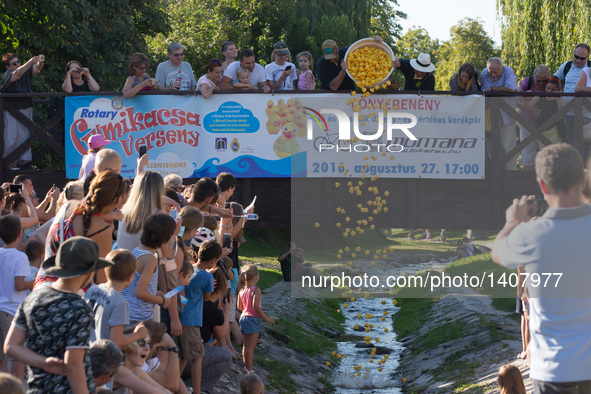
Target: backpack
[569, 64]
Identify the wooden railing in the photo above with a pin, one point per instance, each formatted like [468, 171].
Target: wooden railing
[498, 187]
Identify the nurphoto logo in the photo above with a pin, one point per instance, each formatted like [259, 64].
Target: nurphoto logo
[344, 140]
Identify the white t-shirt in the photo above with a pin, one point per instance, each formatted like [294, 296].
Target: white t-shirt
[274, 71]
[150, 365]
[87, 165]
[168, 74]
[205, 80]
[552, 246]
[13, 263]
[256, 76]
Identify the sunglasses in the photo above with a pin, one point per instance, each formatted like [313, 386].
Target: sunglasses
[580, 58]
[178, 54]
[16, 62]
[143, 343]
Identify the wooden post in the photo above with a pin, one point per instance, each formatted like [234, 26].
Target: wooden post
[497, 166]
[412, 203]
[1, 137]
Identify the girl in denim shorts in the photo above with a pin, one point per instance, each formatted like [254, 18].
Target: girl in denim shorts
[249, 302]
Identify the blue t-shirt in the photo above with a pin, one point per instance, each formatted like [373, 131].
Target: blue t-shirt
[201, 282]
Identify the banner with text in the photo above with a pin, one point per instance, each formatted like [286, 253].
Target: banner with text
[301, 135]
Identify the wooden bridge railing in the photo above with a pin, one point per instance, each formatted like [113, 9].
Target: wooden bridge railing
[498, 187]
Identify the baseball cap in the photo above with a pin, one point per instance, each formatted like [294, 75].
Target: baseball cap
[281, 48]
[76, 256]
[330, 49]
[97, 140]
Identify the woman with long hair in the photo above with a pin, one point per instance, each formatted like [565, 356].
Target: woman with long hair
[465, 80]
[87, 220]
[145, 199]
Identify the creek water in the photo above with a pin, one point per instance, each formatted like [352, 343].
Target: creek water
[359, 371]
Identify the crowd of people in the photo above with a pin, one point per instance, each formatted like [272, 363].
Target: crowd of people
[112, 286]
[240, 71]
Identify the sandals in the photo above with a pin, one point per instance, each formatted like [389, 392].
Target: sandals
[247, 372]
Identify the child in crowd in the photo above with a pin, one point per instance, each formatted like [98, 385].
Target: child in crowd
[442, 237]
[251, 384]
[111, 310]
[14, 268]
[136, 354]
[306, 79]
[35, 251]
[510, 380]
[227, 263]
[192, 219]
[96, 143]
[51, 330]
[243, 79]
[10, 384]
[281, 73]
[197, 291]
[142, 294]
[249, 302]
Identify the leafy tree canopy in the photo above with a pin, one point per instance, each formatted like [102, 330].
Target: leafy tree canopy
[101, 34]
[469, 43]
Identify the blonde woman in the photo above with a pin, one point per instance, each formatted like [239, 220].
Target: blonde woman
[145, 199]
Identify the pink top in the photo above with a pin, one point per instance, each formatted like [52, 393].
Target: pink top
[303, 81]
[246, 296]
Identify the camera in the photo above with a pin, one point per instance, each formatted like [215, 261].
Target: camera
[536, 207]
[15, 188]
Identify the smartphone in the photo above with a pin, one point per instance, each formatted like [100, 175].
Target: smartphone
[227, 241]
[16, 188]
[143, 150]
[252, 216]
[288, 68]
[174, 214]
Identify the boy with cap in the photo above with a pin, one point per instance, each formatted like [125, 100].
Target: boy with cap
[281, 74]
[51, 330]
[96, 143]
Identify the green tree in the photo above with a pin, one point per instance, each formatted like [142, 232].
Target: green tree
[202, 26]
[542, 31]
[469, 43]
[415, 41]
[101, 34]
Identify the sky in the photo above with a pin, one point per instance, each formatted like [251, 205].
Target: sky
[438, 16]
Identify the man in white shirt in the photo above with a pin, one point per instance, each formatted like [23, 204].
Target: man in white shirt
[554, 250]
[497, 77]
[569, 72]
[175, 74]
[258, 77]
